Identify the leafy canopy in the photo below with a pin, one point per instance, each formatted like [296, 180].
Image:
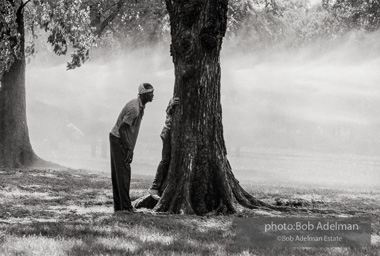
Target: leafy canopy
[77, 25]
[67, 23]
[10, 38]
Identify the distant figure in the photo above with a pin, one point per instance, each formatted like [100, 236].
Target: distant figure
[122, 143]
[162, 170]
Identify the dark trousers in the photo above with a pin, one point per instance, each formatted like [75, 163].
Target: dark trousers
[121, 176]
[163, 166]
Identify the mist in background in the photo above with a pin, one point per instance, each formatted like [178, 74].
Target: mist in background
[291, 116]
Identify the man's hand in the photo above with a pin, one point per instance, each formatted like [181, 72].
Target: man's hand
[174, 102]
[125, 144]
[129, 157]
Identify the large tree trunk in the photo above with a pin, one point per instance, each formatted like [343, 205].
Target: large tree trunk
[15, 147]
[200, 179]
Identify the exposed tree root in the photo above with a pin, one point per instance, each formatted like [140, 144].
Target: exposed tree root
[230, 193]
[176, 197]
[248, 201]
[173, 200]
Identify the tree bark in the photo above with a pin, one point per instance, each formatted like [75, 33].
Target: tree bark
[197, 180]
[15, 147]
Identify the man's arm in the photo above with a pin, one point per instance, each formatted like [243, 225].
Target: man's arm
[126, 144]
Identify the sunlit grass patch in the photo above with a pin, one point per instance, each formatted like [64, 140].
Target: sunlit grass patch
[115, 243]
[147, 235]
[17, 193]
[375, 239]
[37, 245]
[141, 234]
[81, 209]
[53, 180]
[46, 175]
[124, 234]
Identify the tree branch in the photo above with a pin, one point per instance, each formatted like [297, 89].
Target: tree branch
[23, 5]
[169, 6]
[110, 18]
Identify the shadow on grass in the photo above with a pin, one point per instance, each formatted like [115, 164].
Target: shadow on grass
[33, 193]
[141, 234]
[120, 236]
[52, 180]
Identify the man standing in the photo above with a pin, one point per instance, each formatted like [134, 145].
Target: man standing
[122, 143]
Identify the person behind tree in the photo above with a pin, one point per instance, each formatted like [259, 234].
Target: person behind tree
[123, 139]
[163, 166]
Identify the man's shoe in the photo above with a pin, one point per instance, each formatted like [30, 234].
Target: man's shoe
[125, 212]
[154, 193]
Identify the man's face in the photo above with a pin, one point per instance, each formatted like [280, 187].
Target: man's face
[150, 96]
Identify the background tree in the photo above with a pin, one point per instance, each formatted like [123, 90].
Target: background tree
[67, 24]
[15, 148]
[137, 24]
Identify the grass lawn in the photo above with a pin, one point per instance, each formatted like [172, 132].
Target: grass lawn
[70, 212]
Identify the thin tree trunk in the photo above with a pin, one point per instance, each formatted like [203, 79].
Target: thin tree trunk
[15, 147]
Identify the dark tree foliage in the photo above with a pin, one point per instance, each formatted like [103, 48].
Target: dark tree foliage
[356, 14]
